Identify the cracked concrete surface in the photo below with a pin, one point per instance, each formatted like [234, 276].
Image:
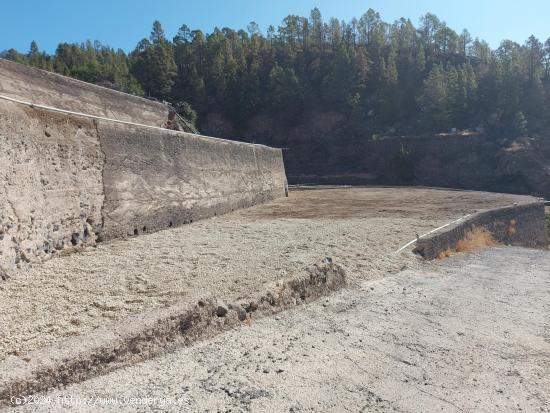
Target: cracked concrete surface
[469, 333]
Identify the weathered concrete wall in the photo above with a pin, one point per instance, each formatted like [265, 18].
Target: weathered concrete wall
[520, 225]
[41, 87]
[68, 181]
[158, 179]
[51, 189]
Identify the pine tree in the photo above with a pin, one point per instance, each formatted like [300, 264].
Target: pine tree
[519, 125]
[392, 75]
[434, 100]
[152, 63]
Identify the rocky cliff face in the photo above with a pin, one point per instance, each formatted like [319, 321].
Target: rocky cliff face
[529, 159]
[319, 151]
[465, 162]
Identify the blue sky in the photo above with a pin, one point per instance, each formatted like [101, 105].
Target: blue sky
[122, 23]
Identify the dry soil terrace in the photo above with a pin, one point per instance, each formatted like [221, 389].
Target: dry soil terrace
[231, 256]
[467, 334]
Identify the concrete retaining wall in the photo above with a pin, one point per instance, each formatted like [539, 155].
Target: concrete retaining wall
[41, 87]
[521, 225]
[67, 181]
[159, 179]
[51, 187]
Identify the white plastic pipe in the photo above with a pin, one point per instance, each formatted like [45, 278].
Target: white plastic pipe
[431, 232]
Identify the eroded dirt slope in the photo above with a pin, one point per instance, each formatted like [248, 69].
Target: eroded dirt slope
[466, 334]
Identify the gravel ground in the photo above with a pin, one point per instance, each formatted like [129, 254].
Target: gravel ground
[469, 333]
[231, 256]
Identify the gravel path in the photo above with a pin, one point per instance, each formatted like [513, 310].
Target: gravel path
[230, 255]
[469, 333]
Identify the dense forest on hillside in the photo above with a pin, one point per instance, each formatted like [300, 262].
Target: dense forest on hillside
[380, 78]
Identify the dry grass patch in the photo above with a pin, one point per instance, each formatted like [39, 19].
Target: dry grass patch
[511, 230]
[474, 239]
[445, 254]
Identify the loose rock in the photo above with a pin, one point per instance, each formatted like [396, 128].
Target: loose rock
[221, 311]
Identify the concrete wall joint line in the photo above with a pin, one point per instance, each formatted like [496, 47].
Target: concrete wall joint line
[141, 125]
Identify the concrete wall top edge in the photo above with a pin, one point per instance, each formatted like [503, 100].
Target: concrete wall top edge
[67, 79]
[93, 100]
[39, 87]
[198, 136]
[525, 202]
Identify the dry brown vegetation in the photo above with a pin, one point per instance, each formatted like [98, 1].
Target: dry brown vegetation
[511, 230]
[444, 254]
[473, 240]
